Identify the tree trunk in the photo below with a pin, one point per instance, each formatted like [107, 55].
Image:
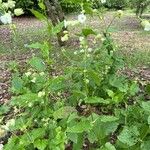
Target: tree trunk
[56, 15]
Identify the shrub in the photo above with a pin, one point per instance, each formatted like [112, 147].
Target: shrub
[116, 4]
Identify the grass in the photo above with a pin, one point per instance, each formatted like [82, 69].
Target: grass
[133, 43]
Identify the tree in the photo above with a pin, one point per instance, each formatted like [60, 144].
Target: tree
[56, 15]
[140, 6]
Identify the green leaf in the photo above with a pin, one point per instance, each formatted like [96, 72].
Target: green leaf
[80, 127]
[96, 100]
[148, 120]
[148, 88]
[146, 106]
[87, 32]
[145, 145]
[63, 112]
[17, 84]
[37, 64]
[41, 5]
[133, 89]
[129, 136]
[79, 144]
[38, 15]
[57, 28]
[108, 146]
[105, 118]
[40, 144]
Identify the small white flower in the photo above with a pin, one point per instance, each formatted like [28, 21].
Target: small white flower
[75, 53]
[82, 51]
[28, 74]
[6, 18]
[87, 81]
[89, 50]
[11, 4]
[147, 27]
[81, 39]
[42, 74]
[18, 11]
[81, 18]
[41, 94]
[1, 146]
[65, 23]
[30, 105]
[103, 1]
[33, 80]
[120, 13]
[65, 38]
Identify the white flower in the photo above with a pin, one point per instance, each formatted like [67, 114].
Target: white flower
[75, 53]
[81, 39]
[11, 4]
[5, 5]
[120, 13]
[41, 94]
[30, 105]
[103, 1]
[82, 51]
[28, 74]
[1, 146]
[64, 38]
[81, 18]
[6, 18]
[42, 74]
[89, 50]
[65, 23]
[18, 11]
[33, 80]
[147, 27]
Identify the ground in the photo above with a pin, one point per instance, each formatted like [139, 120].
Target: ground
[133, 44]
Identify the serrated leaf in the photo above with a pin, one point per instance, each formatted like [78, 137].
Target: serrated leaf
[145, 145]
[146, 106]
[148, 120]
[63, 112]
[88, 31]
[105, 118]
[133, 89]
[17, 84]
[80, 127]
[37, 64]
[40, 144]
[129, 136]
[96, 100]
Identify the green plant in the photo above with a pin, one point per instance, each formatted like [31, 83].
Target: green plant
[84, 106]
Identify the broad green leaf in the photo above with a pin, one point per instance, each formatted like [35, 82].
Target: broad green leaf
[148, 120]
[38, 15]
[108, 146]
[106, 118]
[41, 5]
[58, 28]
[145, 145]
[133, 89]
[87, 32]
[37, 64]
[40, 144]
[96, 100]
[80, 127]
[79, 144]
[129, 136]
[63, 112]
[146, 106]
[17, 84]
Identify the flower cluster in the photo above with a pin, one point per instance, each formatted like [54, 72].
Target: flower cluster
[6, 11]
